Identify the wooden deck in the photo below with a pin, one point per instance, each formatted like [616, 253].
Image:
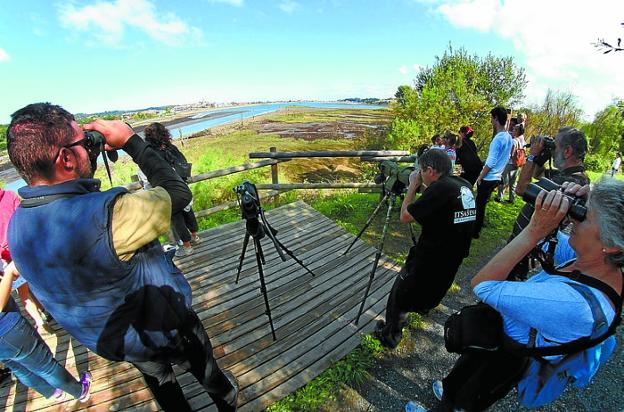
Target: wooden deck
[313, 317]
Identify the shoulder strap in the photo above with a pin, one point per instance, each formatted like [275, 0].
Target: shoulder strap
[583, 343]
[43, 200]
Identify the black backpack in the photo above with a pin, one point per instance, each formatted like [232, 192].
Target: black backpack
[177, 160]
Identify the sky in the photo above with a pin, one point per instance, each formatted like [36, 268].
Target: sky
[98, 55]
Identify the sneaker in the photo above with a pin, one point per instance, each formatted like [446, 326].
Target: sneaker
[195, 240]
[59, 395]
[232, 396]
[183, 251]
[438, 389]
[85, 381]
[413, 406]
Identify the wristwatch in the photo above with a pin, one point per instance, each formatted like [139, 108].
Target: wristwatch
[530, 158]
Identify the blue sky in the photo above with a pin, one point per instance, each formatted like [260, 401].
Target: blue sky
[122, 54]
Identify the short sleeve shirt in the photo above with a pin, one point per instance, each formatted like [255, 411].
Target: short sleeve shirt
[446, 211]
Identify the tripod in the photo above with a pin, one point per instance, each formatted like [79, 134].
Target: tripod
[256, 229]
[389, 198]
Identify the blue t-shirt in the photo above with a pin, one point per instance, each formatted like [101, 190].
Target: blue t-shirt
[546, 303]
[498, 155]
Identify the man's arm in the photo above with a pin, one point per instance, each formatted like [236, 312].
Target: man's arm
[415, 184]
[550, 209]
[529, 167]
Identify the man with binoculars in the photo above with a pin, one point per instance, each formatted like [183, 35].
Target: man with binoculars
[568, 150]
[94, 260]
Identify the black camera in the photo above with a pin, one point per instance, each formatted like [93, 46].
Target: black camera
[577, 210]
[249, 202]
[394, 178]
[547, 150]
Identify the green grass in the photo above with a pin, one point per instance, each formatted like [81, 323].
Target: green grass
[296, 114]
[596, 176]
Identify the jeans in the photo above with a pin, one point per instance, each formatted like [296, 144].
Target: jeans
[509, 180]
[193, 352]
[484, 190]
[26, 354]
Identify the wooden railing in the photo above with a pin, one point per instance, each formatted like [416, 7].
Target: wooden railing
[273, 158]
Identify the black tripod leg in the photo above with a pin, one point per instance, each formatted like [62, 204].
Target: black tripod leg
[292, 255]
[271, 234]
[377, 257]
[263, 288]
[242, 256]
[367, 224]
[411, 230]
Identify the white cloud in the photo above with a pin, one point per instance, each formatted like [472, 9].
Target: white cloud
[403, 69]
[4, 56]
[289, 6]
[236, 3]
[553, 38]
[108, 20]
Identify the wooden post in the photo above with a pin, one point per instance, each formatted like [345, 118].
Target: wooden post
[274, 174]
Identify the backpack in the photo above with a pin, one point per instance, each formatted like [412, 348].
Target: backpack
[518, 157]
[179, 163]
[544, 381]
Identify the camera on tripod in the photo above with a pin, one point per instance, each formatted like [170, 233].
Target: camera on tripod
[577, 210]
[249, 202]
[547, 150]
[395, 179]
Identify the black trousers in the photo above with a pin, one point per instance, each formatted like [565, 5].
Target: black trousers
[484, 190]
[418, 291]
[193, 352]
[478, 379]
[184, 223]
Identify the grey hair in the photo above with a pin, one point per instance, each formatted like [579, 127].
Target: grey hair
[573, 137]
[607, 201]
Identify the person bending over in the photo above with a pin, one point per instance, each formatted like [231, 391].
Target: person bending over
[93, 258]
[446, 212]
[580, 298]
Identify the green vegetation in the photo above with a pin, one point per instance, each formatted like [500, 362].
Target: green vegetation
[297, 114]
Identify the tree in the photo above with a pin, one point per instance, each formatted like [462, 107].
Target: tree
[402, 94]
[605, 136]
[458, 89]
[559, 109]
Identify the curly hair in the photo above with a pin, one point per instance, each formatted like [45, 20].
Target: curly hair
[157, 135]
[34, 137]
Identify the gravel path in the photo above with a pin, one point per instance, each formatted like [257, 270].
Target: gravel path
[407, 372]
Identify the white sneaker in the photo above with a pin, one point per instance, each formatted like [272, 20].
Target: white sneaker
[195, 240]
[183, 251]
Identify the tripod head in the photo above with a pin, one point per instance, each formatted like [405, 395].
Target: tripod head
[249, 203]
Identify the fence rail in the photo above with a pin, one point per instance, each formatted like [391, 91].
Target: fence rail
[273, 158]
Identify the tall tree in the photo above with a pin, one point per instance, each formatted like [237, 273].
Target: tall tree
[559, 109]
[458, 89]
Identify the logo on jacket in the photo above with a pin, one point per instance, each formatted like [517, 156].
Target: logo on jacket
[469, 213]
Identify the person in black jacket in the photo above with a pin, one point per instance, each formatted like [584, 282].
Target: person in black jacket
[467, 156]
[184, 222]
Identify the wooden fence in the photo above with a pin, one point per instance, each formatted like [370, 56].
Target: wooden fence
[272, 158]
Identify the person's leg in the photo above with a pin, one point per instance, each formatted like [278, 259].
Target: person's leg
[479, 379]
[392, 331]
[484, 190]
[190, 222]
[35, 356]
[162, 382]
[200, 361]
[504, 183]
[177, 220]
[29, 379]
[513, 174]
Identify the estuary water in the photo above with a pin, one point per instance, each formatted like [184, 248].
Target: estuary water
[217, 117]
